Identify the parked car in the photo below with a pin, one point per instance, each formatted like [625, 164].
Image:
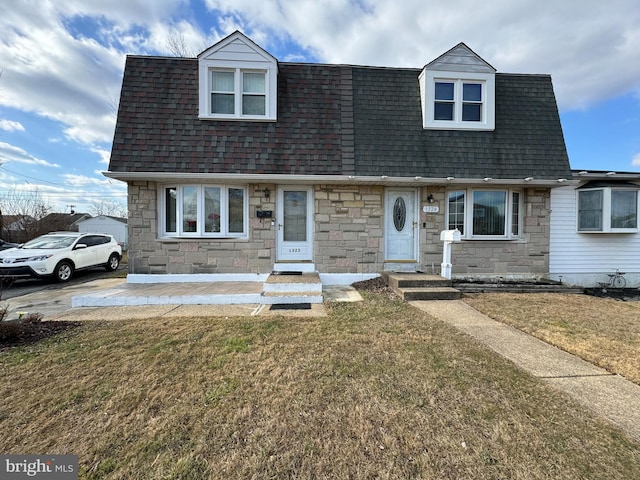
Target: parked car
[60, 254]
[7, 245]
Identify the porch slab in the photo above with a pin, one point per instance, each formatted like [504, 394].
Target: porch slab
[211, 293]
[152, 295]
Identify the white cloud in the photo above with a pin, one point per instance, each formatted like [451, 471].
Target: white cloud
[104, 154]
[588, 46]
[11, 126]
[75, 180]
[635, 161]
[11, 153]
[51, 69]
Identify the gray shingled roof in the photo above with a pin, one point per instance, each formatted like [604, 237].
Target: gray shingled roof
[332, 120]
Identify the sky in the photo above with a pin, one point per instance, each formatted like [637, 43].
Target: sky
[61, 66]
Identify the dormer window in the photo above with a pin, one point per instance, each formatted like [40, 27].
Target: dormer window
[458, 92]
[238, 81]
[458, 100]
[238, 91]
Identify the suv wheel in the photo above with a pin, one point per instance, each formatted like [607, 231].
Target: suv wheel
[63, 271]
[112, 263]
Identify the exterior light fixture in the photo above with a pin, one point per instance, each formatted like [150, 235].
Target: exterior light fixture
[430, 198]
[267, 193]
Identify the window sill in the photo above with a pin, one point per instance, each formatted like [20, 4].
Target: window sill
[491, 239]
[201, 239]
[473, 126]
[625, 231]
[233, 118]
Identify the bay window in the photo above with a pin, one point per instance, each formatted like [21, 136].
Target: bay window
[484, 214]
[608, 209]
[204, 211]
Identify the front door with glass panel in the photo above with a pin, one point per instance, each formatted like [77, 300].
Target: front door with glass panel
[294, 220]
[401, 226]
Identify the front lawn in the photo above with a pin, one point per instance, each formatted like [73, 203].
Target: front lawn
[603, 331]
[375, 390]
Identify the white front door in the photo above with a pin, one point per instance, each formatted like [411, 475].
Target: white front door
[401, 225]
[294, 215]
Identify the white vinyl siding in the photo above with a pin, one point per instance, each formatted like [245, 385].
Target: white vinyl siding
[586, 259]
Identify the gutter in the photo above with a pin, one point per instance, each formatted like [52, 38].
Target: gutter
[242, 178]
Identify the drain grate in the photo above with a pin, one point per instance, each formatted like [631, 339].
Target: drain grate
[291, 306]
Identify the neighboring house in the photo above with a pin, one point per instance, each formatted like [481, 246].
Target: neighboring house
[594, 228]
[17, 228]
[59, 222]
[115, 226]
[238, 163]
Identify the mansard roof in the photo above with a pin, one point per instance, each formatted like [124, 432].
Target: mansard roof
[332, 120]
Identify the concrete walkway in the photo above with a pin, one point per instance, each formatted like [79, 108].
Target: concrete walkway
[606, 394]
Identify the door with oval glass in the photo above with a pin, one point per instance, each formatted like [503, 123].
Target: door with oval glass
[294, 215]
[401, 225]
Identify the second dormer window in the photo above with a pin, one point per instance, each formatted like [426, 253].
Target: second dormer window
[458, 101]
[238, 93]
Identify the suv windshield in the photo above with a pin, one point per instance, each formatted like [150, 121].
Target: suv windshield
[50, 241]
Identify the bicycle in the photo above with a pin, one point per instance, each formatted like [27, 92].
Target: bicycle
[616, 280]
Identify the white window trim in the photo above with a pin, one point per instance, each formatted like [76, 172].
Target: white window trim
[200, 208]
[270, 72]
[487, 80]
[468, 213]
[606, 210]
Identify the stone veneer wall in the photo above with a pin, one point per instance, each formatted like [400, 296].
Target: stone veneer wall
[349, 237]
[150, 255]
[527, 257]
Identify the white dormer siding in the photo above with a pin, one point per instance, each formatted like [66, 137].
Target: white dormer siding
[457, 92]
[238, 80]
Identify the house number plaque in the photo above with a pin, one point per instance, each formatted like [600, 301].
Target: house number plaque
[431, 209]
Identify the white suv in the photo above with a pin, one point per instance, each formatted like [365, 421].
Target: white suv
[59, 254]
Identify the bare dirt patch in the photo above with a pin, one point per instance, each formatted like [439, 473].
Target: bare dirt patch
[14, 334]
[375, 285]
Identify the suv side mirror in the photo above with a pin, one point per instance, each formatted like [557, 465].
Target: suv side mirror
[80, 246]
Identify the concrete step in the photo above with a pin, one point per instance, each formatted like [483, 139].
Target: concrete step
[277, 298]
[305, 282]
[420, 286]
[414, 280]
[429, 293]
[306, 267]
[282, 288]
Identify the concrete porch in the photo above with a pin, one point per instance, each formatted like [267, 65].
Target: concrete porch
[275, 289]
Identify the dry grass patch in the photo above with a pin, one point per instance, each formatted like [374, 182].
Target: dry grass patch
[374, 390]
[603, 331]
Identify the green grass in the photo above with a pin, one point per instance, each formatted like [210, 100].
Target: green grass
[374, 390]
